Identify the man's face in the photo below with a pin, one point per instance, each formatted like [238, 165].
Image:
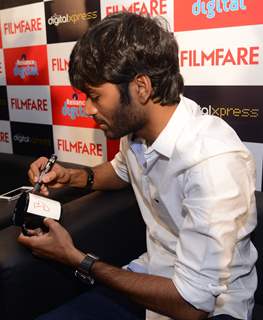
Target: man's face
[115, 118]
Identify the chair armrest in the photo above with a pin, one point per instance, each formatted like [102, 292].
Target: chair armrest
[108, 224]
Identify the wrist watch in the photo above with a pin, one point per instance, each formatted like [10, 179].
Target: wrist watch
[90, 178]
[83, 271]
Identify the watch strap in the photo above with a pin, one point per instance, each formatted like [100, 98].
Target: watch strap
[83, 271]
[90, 178]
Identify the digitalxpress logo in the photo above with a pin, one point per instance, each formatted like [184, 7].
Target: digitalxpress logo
[212, 7]
[57, 19]
[21, 138]
[231, 112]
[25, 68]
[74, 108]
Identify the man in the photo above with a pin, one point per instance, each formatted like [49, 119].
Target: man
[193, 178]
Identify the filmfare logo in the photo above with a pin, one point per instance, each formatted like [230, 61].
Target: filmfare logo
[22, 26]
[4, 137]
[25, 68]
[152, 7]
[213, 7]
[220, 57]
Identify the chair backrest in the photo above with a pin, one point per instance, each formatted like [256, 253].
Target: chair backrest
[257, 239]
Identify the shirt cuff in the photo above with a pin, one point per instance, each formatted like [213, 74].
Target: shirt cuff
[200, 295]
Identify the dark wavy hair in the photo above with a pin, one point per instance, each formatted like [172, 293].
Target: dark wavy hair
[122, 46]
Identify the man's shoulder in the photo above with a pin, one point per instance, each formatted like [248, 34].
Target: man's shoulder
[203, 137]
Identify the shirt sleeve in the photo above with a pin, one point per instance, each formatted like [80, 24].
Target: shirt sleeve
[214, 247]
[119, 163]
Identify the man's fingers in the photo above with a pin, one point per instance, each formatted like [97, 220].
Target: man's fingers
[51, 224]
[35, 168]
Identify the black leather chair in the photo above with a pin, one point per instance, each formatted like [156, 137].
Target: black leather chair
[108, 224]
[258, 242]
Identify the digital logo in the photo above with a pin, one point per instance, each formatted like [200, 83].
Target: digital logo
[80, 145]
[29, 104]
[5, 137]
[212, 7]
[206, 14]
[68, 108]
[74, 108]
[24, 26]
[58, 62]
[32, 139]
[25, 68]
[68, 23]
[26, 65]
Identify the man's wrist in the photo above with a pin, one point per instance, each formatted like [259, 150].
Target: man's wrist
[83, 271]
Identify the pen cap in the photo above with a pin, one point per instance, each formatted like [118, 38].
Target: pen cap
[32, 209]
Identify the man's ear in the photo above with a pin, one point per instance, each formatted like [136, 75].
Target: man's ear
[143, 88]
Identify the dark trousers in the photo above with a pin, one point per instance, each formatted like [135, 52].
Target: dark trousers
[100, 303]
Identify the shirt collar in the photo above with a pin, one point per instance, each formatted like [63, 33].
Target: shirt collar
[165, 143]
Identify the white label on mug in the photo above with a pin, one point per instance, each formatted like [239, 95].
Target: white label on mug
[44, 207]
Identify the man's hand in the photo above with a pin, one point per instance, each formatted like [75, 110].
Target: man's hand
[56, 178]
[56, 244]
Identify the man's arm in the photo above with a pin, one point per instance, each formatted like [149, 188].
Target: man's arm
[156, 293]
[153, 292]
[105, 177]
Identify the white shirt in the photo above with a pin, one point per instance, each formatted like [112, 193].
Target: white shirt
[195, 188]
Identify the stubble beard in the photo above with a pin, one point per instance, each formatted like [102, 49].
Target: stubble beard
[127, 119]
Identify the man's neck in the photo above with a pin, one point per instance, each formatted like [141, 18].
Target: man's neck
[158, 117]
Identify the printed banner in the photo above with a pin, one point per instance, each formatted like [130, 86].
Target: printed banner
[58, 61]
[30, 104]
[23, 26]
[206, 14]
[209, 57]
[239, 106]
[26, 65]
[32, 139]
[80, 145]
[68, 20]
[5, 137]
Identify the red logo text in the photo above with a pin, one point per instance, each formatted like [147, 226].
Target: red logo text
[79, 146]
[220, 57]
[155, 7]
[23, 26]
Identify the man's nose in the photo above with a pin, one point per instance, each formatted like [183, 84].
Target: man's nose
[89, 108]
